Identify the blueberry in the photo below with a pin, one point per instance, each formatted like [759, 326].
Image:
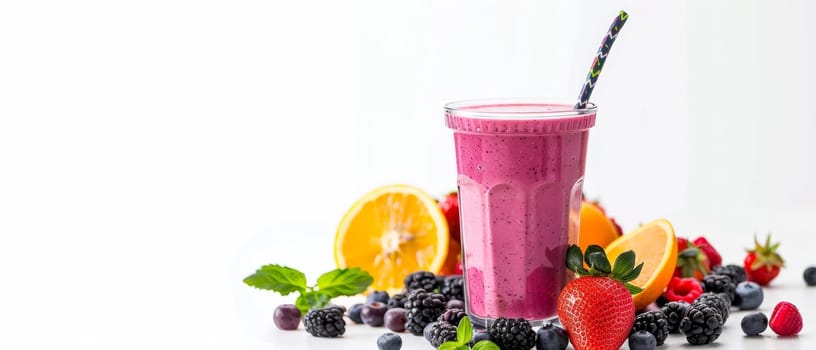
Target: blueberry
[754, 323]
[748, 296]
[480, 336]
[395, 319]
[642, 340]
[373, 314]
[810, 276]
[286, 317]
[426, 332]
[389, 341]
[551, 337]
[354, 313]
[455, 304]
[378, 296]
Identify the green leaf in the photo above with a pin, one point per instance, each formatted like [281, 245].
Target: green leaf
[690, 253]
[339, 282]
[575, 259]
[464, 332]
[600, 262]
[486, 345]
[277, 278]
[581, 271]
[449, 345]
[632, 288]
[624, 263]
[311, 300]
[592, 249]
[632, 275]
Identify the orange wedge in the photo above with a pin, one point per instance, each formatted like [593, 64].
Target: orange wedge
[595, 227]
[655, 245]
[391, 232]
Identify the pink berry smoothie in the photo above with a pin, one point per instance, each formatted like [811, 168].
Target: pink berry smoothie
[520, 174]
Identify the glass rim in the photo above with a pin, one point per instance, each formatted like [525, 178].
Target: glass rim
[460, 108]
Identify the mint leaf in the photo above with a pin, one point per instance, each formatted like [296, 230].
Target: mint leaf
[311, 300]
[339, 282]
[281, 279]
[449, 345]
[464, 332]
[486, 345]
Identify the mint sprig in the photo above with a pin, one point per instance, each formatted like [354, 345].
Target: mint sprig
[285, 280]
[464, 333]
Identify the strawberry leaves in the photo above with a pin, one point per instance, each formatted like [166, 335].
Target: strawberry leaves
[624, 269]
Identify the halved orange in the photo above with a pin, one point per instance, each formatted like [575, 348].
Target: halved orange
[391, 232]
[655, 245]
[596, 228]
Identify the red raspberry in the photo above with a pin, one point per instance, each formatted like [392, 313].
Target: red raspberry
[450, 207]
[786, 319]
[683, 289]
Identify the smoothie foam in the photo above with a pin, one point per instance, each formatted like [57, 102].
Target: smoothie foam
[521, 168]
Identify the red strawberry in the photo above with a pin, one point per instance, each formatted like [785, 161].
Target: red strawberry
[450, 207]
[763, 263]
[683, 289]
[597, 309]
[691, 261]
[713, 256]
[786, 319]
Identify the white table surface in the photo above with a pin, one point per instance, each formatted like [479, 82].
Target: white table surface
[364, 337]
[255, 307]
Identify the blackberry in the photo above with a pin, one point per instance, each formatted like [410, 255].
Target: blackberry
[675, 311]
[422, 308]
[421, 280]
[512, 333]
[455, 304]
[335, 306]
[735, 272]
[452, 316]
[654, 322]
[661, 300]
[440, 279]
[718, 301]
[719, 284]
[453, 288]
[702, 324]
[327, 323]
[441, 332]
[396, 300]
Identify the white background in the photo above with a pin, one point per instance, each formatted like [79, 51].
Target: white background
[153, 153]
